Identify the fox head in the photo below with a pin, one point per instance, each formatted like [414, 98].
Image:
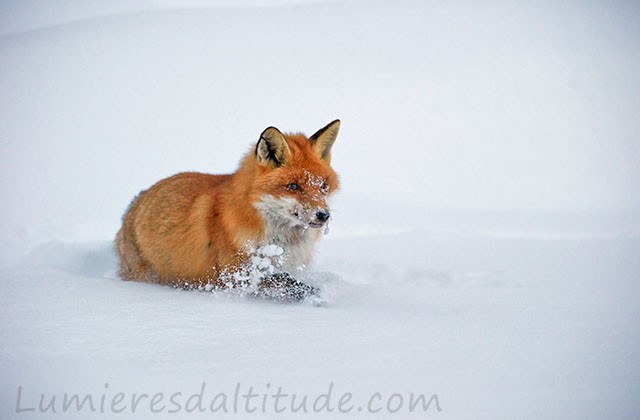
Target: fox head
[293, 178]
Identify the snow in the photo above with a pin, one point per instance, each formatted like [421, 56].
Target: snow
[484, 246]
[263, 261]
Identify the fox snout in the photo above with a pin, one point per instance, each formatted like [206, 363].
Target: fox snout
[320, 217]
[312, 217]
[288, 211]
[323, 215]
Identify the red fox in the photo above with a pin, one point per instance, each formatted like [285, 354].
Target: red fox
[200, 230]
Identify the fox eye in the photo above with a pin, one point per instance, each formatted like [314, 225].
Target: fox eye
[324, 188]
[292, 186]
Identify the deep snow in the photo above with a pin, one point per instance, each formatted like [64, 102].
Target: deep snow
[485, 246]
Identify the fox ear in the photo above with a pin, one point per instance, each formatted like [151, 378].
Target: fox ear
[272, 150]
[324, 138]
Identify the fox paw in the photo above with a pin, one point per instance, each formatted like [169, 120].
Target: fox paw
[282, 287]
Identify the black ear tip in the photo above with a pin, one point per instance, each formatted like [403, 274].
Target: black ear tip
[269, 129]
[333, 124]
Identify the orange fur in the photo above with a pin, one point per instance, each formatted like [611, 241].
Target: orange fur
[190, 227]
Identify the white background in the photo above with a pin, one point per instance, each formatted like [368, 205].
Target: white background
[484, 245]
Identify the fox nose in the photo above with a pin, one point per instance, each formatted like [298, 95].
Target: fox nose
[322, 215]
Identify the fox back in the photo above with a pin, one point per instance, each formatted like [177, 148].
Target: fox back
[192, 227]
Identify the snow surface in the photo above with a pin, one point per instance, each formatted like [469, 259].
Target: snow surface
[485, 246]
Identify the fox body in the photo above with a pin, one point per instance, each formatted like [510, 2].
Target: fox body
[192, 227]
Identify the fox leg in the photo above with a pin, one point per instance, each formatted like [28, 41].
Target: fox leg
[284, 288]
[132, 265]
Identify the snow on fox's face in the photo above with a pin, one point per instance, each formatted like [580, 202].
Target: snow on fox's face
[301, 201]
